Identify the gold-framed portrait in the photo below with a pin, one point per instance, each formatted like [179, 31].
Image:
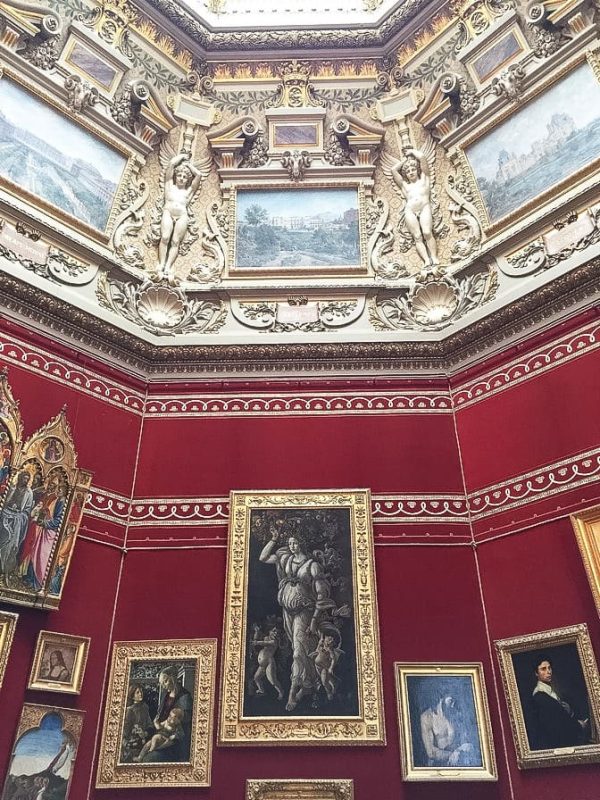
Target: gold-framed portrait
[8, 623]
[59, 662]
[552, 691]
[586, 525]
[158, 720]
[444, 723]
[286, 789]
[301, 660]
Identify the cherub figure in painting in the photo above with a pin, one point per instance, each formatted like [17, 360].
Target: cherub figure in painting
[168, 733]
[267, 668]
[181, 181]
[413, 177]
[326, 657]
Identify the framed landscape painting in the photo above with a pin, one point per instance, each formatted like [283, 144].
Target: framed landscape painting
[159, 712]
[283, 230]
[549, 140]
[301, 662]
[43, 755]
[54, 162]
[444, 721]
[553, 694]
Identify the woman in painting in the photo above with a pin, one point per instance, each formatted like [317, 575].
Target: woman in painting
[47, 515]
[137, 725]
[304, 596]
[174, 695]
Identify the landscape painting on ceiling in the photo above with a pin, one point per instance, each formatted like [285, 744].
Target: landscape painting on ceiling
[297, 228]
[46, 154]
[542, 144]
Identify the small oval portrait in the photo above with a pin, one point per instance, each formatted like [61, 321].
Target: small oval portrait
[52, 450]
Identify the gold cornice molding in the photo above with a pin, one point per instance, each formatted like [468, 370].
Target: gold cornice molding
[471, 345]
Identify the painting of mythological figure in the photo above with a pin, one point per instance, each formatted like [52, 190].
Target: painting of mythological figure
[44, 753]
[444, 723]
[47, 155]
[553, 693]
[163, 692]
[41, 505]
[298, 657]
[549, 140]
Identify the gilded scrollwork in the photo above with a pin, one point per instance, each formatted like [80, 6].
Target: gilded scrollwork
[161, 309]
[434, 302]
[465, 218]
[214, 243]
[381, 240]
[130, 220]
[305, 789]
[315, 317]
[295, 90]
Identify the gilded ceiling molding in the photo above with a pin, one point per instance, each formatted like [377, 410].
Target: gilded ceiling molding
[469, 345]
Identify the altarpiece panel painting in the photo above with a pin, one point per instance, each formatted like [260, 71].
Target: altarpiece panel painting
[301, 660]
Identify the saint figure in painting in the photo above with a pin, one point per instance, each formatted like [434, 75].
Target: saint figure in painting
[14, 521]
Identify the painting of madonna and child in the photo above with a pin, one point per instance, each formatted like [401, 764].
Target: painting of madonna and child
[544, 143]
[297, 228]
[44, 753]
[304, 641]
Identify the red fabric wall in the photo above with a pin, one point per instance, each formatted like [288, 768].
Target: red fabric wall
[440, 599]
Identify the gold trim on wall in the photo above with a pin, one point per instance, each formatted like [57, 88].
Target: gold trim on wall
[8, 623]
[290, 789]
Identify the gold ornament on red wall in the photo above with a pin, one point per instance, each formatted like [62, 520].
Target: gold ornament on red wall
[586, 525]
[301, 662]
[42, 495]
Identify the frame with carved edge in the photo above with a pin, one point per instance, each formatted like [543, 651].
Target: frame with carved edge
[368, 728]
[574, 181]
[8, 623]
[575, 635]
[112, 774]
[52, 639]
[291, 789]
[479, 47]
[282, 273]
[78, 36]
[586, 525]
[487, 771]
[50, 95]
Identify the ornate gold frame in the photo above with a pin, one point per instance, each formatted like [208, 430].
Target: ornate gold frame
[115, 775]
[462, 162]
[574, 634]
[290, 789]
[586, 525]
[12, 190]
[369, 726]
[291, 272]
[8, 623]
[410, 772]
[31, 718]
[82, 643]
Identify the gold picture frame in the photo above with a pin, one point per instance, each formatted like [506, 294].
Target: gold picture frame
[559, 666]
[586, 525]
[44, 751]
[431, 697]
[8, 624]
[59, 662]
[159, 678]
[286, 789]
[271, 637]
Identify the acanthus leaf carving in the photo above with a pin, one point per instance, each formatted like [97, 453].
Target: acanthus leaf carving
[464, 216]
[214, 243]
[130, 220]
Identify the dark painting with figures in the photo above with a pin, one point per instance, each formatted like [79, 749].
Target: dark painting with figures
[157, 723]
[300, 644]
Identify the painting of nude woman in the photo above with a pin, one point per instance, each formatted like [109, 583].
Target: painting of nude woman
[302, 641]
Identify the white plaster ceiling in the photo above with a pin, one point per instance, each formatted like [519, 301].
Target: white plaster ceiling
[271, 14]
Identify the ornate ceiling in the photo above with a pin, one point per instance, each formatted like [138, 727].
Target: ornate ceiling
[203, 208]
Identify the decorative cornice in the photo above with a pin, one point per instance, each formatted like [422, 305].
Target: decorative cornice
[472, 343]
[357, 37]
[551, 479]
[553, 354]
[299, 404]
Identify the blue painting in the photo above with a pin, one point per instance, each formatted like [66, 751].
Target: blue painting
[541, 145]
[297, 228]
[50, 156]
[42, 761]
[443, 721]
